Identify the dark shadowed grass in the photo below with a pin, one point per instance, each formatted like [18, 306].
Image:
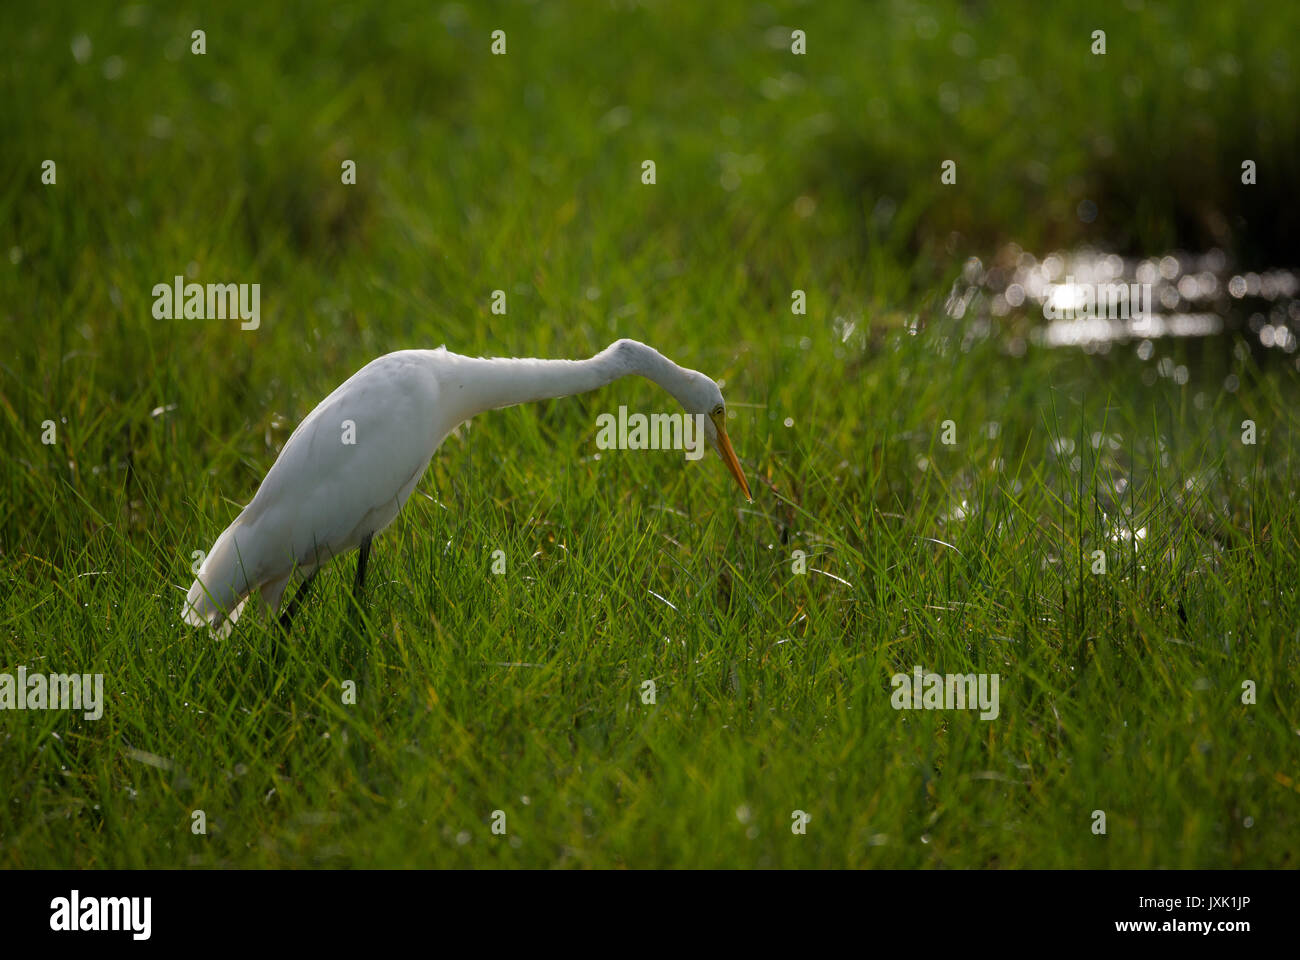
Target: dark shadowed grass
[522, 692]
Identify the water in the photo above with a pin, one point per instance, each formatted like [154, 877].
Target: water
[1092, 300]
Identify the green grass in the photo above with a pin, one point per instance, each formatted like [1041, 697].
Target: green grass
[521, 692]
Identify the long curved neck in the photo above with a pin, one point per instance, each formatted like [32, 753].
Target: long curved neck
[488, 383]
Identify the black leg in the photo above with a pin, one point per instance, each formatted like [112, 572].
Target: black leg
[363, 557]
[357, 649]
[287, 617]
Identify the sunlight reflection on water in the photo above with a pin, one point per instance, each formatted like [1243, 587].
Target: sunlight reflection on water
[1091, 299]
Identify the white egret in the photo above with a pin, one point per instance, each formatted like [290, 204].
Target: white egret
[349, 467]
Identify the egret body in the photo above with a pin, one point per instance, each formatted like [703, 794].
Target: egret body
[325, 496]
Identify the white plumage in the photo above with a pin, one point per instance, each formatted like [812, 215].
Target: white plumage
[324, 496]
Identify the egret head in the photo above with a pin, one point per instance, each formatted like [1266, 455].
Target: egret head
[703, 397]
[697, 393]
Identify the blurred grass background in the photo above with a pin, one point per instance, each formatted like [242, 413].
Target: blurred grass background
[774, 172]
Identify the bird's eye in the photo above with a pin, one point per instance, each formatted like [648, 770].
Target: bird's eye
[716, 411]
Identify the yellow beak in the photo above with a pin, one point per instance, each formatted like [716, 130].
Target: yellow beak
[728, 454]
